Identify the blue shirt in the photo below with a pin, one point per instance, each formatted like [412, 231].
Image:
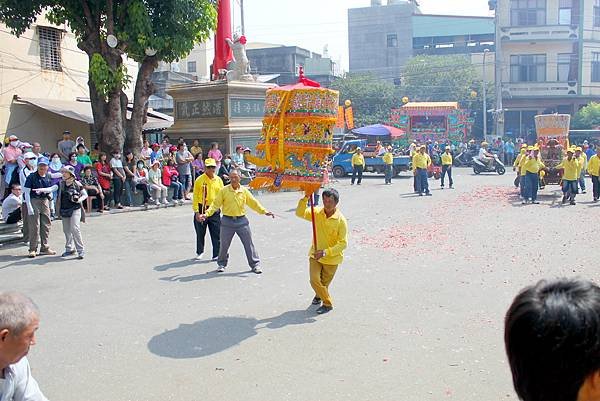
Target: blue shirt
[590, 152]
[509, 147]
[35, 181]
[155, 155]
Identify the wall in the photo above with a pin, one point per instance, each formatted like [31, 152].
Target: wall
[21, 73]
[367, 39]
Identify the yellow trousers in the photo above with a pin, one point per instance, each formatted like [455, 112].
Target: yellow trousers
[320, 277]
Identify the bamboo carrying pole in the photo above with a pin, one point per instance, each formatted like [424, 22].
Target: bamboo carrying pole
[312, 215]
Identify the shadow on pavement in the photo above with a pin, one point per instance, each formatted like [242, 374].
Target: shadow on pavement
[206, 276]
[180, 264]
[25, 261]
[217, 334]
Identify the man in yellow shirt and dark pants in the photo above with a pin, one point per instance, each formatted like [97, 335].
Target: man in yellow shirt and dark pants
[593, 169]
[571, 173]
[447, 166]
[532, 166]
[582, 159]
[388, 160]
[232, 200]
[332, 239]
[358, 166]
[421, 162]
[206, 189]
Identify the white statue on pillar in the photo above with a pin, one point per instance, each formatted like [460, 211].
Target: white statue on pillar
[239, 68]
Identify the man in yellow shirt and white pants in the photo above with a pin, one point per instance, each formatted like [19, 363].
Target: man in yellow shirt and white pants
[206, 188]
[571, 173]
[232, 200]
[593, 169]
[332, 239]
[358, 166]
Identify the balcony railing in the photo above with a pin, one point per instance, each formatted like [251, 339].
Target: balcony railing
[529, 89]
[542, 32]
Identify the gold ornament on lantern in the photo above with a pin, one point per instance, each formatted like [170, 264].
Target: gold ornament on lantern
[348, 103]
[405, 99]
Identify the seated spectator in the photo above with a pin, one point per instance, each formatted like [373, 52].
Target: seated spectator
[156, 153]
[19, 320]
[145, 153]
[11, 206]
[155, 180]
[170, 178]
[77, 166]
[81, 141]
[141, 182]
[552, 338]
[92, 187]
[95, 153]
[225, 169]
[198, 166]
[82, 156]
[247, 162]
[104, 172]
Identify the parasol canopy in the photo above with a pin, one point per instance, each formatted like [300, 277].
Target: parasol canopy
[380, 130]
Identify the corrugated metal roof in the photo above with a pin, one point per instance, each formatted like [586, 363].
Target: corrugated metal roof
[437, 105]
[447, 25]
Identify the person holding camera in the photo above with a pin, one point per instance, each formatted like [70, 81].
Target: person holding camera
[71, 195]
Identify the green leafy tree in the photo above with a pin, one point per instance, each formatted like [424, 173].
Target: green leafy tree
[372, 98]
[447, 79]
[588, 117]
[148, 31]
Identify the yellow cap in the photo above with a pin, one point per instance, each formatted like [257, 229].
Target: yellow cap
[530, 148]
[484, 143]
[579, 148]
[524, 146]
[210, 163]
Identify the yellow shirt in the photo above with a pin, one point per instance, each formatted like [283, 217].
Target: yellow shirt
[521, 170]
[518, 158]
[594, 166]
[213, 187]
[388, 158]
[421, 161]
[358, 160]
[582, 159]
[532, 165]
[194, 150]
[233, 202]
[446, 159]
[332, 233]
[571, 169]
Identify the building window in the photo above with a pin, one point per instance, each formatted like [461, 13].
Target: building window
[528, 68]
[565, 11]
[527, 12]
[597, 13]
[191, 66]
[50, 39]
[595, 67]
[392, 40]
[563, 67]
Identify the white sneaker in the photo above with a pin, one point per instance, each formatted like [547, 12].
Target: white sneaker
[181, 201]
[199, 257]
[157, 203]
[221, 269]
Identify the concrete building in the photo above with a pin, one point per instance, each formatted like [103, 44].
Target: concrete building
[550, 58]
[283, 63]
[382, 38]
[42, 77]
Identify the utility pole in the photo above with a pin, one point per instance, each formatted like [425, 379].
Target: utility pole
[485, 52]
[499, 112]
[242, 17]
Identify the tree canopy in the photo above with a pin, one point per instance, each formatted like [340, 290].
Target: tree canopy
[588, 117]
[147, 31]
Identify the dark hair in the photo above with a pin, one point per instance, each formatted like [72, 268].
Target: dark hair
[129, 152]
[54, 154]
[199, 154]
[72, 154]
[100, 156]
[81, 145]
[88, 167]
[170, 163]
[14, 186]
[552, 338]
[332, 193]
[180, 145]
[96, 146]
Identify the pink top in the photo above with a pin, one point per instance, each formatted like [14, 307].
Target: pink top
[11, 154]
[217, 155]
[168, 172]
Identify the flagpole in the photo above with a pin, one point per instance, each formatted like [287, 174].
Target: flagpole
[314, 226]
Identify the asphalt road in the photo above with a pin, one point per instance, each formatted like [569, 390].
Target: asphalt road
[419, 300]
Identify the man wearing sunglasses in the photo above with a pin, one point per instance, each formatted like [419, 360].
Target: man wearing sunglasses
[206, 188]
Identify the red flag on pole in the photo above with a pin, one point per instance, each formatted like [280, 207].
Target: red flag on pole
[222, 51]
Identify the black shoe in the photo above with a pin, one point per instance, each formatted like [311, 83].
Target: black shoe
[535, 202]
[324, 309]
[564, 199]
[428, 194]
[572, 203]
[316, 301]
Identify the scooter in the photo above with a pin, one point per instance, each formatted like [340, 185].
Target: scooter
[481, 167]
[464, 159]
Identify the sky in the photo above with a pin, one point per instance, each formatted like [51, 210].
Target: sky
[312, 24]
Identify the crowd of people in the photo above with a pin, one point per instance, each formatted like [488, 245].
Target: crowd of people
[38, 187]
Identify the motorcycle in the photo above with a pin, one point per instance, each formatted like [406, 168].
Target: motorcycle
[464, 159]
[481, 167]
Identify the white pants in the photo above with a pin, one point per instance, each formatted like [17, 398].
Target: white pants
[72, 230]
[159, 192]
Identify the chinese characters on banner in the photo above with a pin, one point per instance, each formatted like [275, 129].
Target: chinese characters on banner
[349, 118]
[340, 118]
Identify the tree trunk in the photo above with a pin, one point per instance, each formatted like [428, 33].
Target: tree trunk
[143, 89]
